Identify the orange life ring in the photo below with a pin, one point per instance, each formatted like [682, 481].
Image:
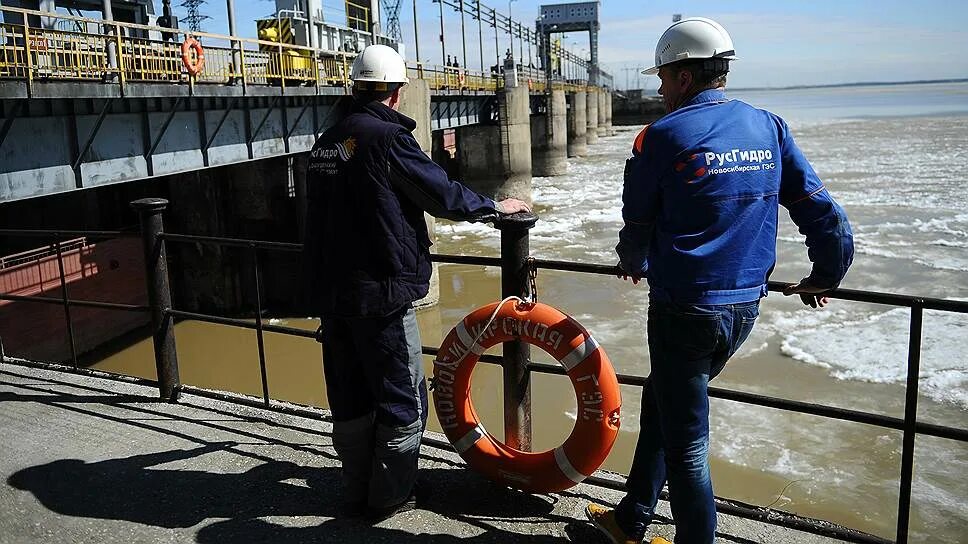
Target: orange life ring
[196, 65]
[596, 390]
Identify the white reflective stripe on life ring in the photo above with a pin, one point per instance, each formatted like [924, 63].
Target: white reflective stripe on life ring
[566, 467]
[469, 439]
[579, 354]
[468, 340]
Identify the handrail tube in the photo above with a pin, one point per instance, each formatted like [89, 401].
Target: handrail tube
[34, 233]
[465, 259]
[773, 517]
[242, 323]
[75, 302]
[873, 297]
[231, 242]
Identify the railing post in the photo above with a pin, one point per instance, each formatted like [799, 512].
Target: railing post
[514, 282]
[159, 294]
[910, 423]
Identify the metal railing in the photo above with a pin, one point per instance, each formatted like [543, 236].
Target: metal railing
[116, 53]
[516, 266]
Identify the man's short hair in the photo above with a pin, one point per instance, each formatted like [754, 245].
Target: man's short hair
[373, 91]
[706, 72]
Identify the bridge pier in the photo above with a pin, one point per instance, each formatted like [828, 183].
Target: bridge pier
[577, 144]
[608, 114]
[591, 116]
[549, 138]
[495, 160]
[602, 112]
[415, 104]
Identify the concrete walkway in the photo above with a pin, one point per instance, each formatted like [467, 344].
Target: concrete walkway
[86, 459]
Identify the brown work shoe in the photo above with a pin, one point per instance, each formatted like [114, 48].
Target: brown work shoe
[604, 520]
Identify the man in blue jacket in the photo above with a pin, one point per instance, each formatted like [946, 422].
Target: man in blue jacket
[367, 260]
[700, 206]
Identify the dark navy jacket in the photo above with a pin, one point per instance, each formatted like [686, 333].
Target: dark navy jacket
[369, 183]
[701, 198]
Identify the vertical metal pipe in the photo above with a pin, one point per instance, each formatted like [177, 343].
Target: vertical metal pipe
[258, 325]
[480, 34]
[910, 423]
[514, 282]
[463, 34]
[159, 294]
[111, 45]
[497, 46]
[416, 34]
[67, 303]
[443, 47]
[230, 9]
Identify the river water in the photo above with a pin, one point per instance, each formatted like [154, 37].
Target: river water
[894, 157]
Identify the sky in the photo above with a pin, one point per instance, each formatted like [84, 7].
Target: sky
[779, 43]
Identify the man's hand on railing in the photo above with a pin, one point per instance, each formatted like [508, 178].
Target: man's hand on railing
[810, 294]
[625, 275]
[512, 205]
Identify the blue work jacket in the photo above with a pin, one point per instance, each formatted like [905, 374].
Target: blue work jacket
[367, 250]
[700, 204]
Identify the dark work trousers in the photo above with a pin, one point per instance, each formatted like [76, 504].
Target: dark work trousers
[378, 396]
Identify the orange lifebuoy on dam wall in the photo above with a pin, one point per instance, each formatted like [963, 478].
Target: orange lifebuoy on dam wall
[193, 65]
[591, 374]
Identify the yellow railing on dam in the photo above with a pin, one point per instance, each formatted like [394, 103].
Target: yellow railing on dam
[40, 46]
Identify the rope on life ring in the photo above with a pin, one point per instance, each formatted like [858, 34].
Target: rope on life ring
[195, 64]
[596, 387]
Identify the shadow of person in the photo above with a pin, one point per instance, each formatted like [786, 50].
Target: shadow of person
[127, 489]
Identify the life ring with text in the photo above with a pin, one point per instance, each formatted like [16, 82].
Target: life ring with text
[194, 64]
[596, 387]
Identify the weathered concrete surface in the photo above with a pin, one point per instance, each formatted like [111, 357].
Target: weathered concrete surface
[495, 160]
[591, 116]
[86, 459]
[549, 138]
[602, 113]
[415, 103]
[577, 144]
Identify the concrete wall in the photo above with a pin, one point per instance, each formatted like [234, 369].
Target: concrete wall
[549, 138]
[496, 160]
[577, 120]
[591, 113]
[602, 113]
[415, 103]
[608, 114]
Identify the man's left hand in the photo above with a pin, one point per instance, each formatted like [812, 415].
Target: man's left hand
[810, 294]
[512, 205]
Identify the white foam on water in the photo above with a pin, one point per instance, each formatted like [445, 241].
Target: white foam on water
[875, 350]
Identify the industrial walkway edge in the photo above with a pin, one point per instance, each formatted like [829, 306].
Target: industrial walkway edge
[89, 459]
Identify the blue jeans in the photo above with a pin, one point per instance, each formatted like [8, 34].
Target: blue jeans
[689, 345]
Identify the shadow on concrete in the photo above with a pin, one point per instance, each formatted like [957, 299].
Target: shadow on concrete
[128, 489]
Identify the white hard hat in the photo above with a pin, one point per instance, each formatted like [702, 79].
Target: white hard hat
[379, 64]
[692, 38]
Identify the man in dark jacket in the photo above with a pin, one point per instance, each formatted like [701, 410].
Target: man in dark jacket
[367, 260]
[700, 204]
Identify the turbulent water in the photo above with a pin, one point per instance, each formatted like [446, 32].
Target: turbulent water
[894, 156]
